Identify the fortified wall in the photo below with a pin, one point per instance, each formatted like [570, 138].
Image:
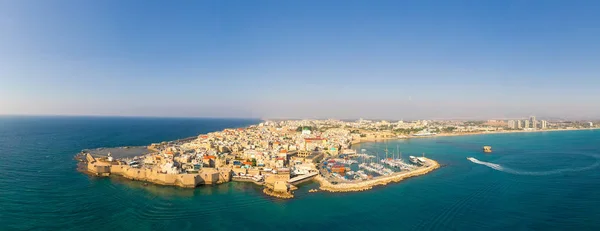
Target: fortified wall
[186, 180]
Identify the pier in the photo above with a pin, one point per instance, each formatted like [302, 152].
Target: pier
[302, 178]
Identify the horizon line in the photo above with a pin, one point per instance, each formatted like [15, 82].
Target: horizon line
[274, 118]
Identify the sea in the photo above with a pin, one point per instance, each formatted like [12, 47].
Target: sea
[531, 181]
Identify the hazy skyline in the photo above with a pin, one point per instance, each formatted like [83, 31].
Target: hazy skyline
[305, 59]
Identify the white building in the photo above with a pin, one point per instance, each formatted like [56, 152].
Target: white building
[544, 124]
[512, 124]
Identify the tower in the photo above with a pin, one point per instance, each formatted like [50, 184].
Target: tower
[512, 124]
[544, 124]
[533, 122]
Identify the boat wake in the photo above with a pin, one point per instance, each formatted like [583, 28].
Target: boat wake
[538, 173]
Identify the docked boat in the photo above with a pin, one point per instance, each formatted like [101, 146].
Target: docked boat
[414, 159]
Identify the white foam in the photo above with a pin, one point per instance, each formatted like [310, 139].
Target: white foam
[539, 173]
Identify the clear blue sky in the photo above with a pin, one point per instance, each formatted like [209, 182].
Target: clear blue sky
[301, 59]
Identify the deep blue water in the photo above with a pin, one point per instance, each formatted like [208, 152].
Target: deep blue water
[543, 181]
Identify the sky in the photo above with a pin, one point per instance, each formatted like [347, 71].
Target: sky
[301, 59]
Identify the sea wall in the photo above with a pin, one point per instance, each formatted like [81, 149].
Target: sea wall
[368, 184]
[205, 176]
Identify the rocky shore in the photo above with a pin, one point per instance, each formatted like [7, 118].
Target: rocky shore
[369, 184]
[282, 195]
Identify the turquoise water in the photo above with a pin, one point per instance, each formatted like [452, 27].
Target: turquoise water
[541, 181]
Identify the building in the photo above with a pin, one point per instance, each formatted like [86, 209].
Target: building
[314, 143]
[519, 124]
[533, 121]
[591, 124]
[208, 161]
[525, 123]
[512, 124]
[304, 153]
[544, 124]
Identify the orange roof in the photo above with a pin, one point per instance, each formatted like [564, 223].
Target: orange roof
[209, 157]
[282, 151]
[204, 136]
[248, 163]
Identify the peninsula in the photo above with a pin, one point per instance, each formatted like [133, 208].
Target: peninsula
[281, 154]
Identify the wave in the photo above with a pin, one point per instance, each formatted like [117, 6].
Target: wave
[537, 173]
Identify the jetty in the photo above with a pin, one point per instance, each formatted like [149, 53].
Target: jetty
[302, 178]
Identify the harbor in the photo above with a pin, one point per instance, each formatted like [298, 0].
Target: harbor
[326, 185]
[363, 171]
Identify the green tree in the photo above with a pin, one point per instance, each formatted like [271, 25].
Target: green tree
[300, 128]
[449, 129]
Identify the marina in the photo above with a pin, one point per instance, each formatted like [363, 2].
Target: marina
[326, 185]
[363, 167]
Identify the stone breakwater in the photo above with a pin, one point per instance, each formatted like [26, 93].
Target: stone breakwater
[383, 180]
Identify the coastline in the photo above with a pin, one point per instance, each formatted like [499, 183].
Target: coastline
[369, 184]
[505, 132]
[212, 176]
[469, 134]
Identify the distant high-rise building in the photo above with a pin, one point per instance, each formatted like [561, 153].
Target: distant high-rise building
[519, 124]
[591, 124]
[544, 124]
[533, 122]
[526, 123]
[512, 124]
